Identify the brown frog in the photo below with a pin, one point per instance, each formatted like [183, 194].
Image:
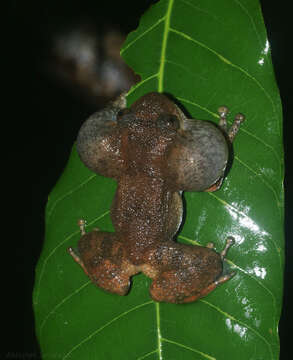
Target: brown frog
[154, 152]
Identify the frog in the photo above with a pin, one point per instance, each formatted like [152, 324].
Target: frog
[155, 153]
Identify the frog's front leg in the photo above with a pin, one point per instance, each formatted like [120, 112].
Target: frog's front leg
[233, 130]
[102, 257]
[231, 133]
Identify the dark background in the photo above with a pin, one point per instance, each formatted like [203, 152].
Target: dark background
[48, 118]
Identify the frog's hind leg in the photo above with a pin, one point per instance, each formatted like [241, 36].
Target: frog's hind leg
[182, 271]
[73, 253]
[77, 259]
[220, 280]
[185, 273]
[102, 257]
[204, 292]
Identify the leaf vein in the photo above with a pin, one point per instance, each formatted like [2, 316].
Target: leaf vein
[164, 46]
[198, 8]
[197, 105]
[250, 19]
[185, 69]
[234, 265]
[189, 348]
[261, 179]
[246, 217]
[240, 322]
[70, 192]
[64, 300]
[134, 87]
[159, 335]
[45, 261]
[104, 326]
[255, 279]
[225, 60]
[141, 35]
[193, 242]
[148, 354]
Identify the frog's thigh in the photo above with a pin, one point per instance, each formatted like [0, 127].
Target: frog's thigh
[104, 258]
[168, 288]
[186, 274]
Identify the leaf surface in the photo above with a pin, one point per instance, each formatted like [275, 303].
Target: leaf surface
[205, 53]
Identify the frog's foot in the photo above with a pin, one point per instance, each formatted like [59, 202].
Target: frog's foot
[77, 259]
[238, 120]
[233, 130]
[230, 134]
[204, 292]
[103, 259]
[229, 242]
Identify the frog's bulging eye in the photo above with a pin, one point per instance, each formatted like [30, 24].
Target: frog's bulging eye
[122, 113]
[125, 117]
[166, 121]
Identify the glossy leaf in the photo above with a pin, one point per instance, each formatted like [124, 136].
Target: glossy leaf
[204, 53]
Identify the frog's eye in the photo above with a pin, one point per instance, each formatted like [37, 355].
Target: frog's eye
[166, 121]
[122, 113]
[125, 118]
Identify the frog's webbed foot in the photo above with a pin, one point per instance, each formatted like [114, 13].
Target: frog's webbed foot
[233, 130]
[102, 257]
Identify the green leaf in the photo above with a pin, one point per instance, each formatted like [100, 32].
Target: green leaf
[205, 53]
